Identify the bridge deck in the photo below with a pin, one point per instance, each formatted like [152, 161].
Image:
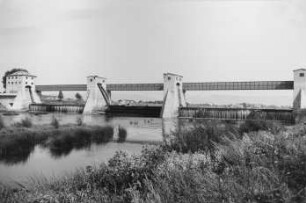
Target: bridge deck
[198, 86]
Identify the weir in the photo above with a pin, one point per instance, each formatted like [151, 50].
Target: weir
[64, 108]
[282, 115]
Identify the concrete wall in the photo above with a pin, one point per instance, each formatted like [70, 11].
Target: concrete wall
[24, 99]
[6, 101]
[95, 100]
[173, 95]
[299, 97]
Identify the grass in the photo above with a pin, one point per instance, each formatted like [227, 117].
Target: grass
[258, 166]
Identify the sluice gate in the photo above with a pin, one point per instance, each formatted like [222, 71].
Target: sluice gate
[282, 115]
[134, 111]
[64, 108]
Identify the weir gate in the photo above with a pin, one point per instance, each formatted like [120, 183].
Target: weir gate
[174, 104]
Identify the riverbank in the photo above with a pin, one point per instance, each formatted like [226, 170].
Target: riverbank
[211, 162]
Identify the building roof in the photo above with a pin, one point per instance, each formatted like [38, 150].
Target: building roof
[301, 69]
[21, 73]
[173, 74]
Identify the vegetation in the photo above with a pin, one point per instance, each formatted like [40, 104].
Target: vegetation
[26, 122]
[14, 70]
[79, 121]
[55, 123]
[211, 162]
[122, 134]
[79, 97]
[2, 125]
[16, 144]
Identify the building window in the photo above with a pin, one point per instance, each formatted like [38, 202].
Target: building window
[301, 74]
[169, 78]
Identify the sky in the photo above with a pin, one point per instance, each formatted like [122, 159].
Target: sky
[63, 41]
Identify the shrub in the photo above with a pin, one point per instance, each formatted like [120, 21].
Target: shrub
[79, 121]
[122, 134]
[258, 124]
[55, 123]
[26, 122]
[201, 137]
[2, 125]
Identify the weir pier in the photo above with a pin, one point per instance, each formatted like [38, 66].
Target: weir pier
[174, 102]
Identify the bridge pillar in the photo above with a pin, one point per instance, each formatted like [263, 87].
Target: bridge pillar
[299, 92]
[299, 95]
[173, 95]
[26, 95]
[97, 96]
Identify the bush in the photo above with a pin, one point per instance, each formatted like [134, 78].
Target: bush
[26, 122]
[55, 123]
[201, 137]
[2, 125]
[258, 124]
[122, 134]
[79, 121]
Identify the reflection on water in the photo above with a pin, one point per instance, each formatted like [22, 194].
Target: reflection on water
[61, 155]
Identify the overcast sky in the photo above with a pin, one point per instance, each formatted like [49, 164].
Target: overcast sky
[63, 41]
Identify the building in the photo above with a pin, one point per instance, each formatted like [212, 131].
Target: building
[19, 80]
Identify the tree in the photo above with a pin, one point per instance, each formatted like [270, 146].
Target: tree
[9, 72]
[78, 96]
[60, 95]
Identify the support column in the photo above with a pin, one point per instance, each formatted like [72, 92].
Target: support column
[26, 95]
[299, 100]
[173, 95]
[299, 95]
[97, 96]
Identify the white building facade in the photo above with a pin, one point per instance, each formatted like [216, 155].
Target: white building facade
[18, 80]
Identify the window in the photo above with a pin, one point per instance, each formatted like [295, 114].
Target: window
[301, 74]
[169, 78]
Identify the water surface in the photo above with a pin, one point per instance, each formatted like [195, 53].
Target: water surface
[41, 162]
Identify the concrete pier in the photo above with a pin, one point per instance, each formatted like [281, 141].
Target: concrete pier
[97, 96]
[173, 95]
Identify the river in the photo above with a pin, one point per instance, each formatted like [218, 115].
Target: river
[41, 163]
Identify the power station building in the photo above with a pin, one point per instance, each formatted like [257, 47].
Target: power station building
[19, 80]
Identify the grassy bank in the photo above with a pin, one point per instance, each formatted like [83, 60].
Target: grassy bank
[213, 162]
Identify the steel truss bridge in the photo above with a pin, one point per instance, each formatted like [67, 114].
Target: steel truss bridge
[188, 86]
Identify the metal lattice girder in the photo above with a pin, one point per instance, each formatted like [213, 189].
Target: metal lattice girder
[136, 87]
[197, 86]
[76, 87]
[258, 85]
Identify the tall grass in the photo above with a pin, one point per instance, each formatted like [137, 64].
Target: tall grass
[256, 167]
